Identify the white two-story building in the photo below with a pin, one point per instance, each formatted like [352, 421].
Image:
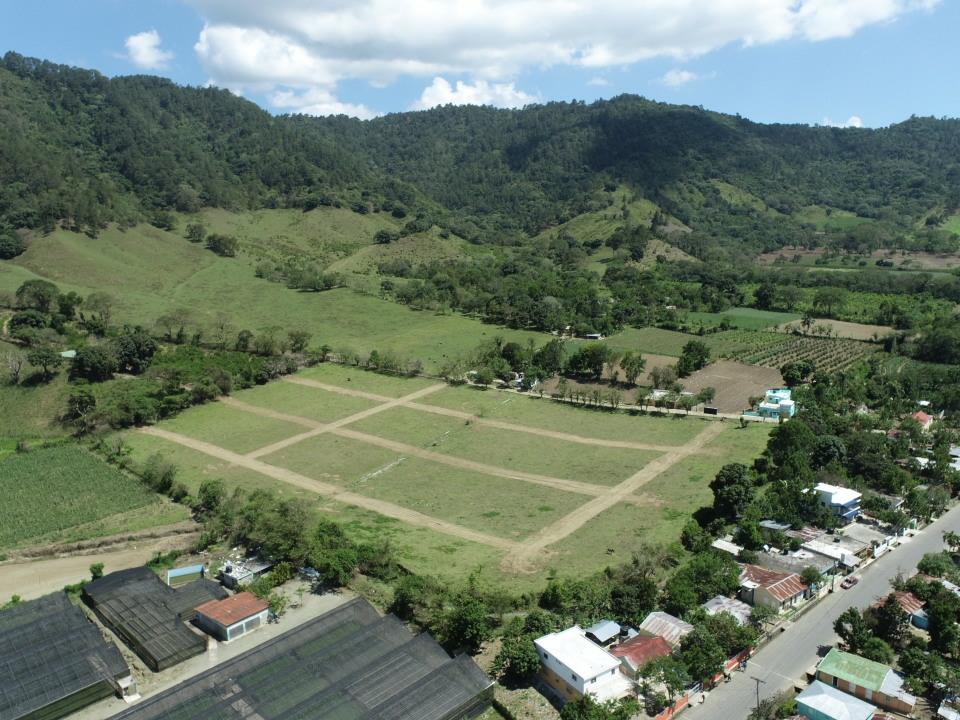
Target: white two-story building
[575, 666]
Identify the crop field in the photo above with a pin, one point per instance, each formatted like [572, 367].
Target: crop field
[459, 479]
[56, 490]
[743, 318]
[827, 354]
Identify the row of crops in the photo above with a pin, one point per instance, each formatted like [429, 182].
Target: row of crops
[826, 354]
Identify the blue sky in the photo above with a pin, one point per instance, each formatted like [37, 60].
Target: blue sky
[873, 62]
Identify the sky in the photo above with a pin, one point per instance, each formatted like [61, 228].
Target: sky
[857, 63]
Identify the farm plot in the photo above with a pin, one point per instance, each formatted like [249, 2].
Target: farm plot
[826, 354]
[734, 382]
[495, 478]
[849, 330]
[53, 489]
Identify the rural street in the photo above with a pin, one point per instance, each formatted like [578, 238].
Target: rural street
[785, 659]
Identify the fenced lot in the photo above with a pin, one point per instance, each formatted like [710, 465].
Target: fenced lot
[459, 478]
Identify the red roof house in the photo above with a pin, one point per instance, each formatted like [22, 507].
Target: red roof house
[640, 651]
[773, 589]
[925, 420]
[235, 616]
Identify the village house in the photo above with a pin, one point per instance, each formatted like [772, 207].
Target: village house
[911, 605]
[777, 403]
[923, 419]
[737, 609]
[868, 680]
[638, 652]
[824, 702]
[842, 502]
[670, 628]
[604, 633]
[575, 666]
[775, 590]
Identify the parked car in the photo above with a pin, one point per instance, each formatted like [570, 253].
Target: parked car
[849, 581]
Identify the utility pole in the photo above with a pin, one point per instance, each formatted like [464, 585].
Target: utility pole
[759, 682]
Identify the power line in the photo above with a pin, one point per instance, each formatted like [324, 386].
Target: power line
[759, 682]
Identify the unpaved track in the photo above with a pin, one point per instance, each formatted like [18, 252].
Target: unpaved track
[476, 419]
[411, 450]
[322, 428]
[520, 560]
[39, 577]
[332, 491]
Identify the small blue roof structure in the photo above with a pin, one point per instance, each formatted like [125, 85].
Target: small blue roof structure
[824, 702]
[603, 632]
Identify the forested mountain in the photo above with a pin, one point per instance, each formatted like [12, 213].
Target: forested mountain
[79, 148]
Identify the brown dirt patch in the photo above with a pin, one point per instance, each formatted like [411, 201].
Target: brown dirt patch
[734, 382]
[629, 393]
[840, 328]
[906, 259]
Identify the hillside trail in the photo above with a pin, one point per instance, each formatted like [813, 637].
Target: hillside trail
[477, 420]
[521, 560]
[333, 492]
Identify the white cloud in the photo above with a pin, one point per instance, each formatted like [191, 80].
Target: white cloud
[677, 77]
[599, 81]
[144, 51]
[317, 101]
[854, 121]
[482, 92]
[302, 44]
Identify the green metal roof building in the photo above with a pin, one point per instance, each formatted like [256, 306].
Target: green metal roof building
[868, 680]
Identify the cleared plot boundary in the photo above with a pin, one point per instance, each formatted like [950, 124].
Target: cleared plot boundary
[519, 556]
[477, 420]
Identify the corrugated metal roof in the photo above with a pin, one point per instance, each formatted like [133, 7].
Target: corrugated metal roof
[854, 669]
[642, 649]
[670, 628]
[782, 586]
[233, 609]
[832, 703]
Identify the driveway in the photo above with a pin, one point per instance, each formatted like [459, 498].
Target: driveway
[785, 659]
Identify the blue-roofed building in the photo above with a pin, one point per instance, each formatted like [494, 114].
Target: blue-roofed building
[823, 702]
[778, 403]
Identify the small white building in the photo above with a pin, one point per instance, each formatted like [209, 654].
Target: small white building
[575, 666]
[232, 617]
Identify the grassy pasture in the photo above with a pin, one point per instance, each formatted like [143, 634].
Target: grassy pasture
[550, 415]
[352, 378]
[304, 402]
[240, 432]
[502, 507]
[51, 490]
[150, 272]
[504, 448]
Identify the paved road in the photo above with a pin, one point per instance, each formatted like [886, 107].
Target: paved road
[785, 659]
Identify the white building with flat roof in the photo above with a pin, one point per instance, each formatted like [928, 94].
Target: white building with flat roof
[844, 502]
[575, 666]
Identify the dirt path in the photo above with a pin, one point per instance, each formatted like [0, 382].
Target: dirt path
[332, 491]
[412, 450]
[477, 420]
[39, 577]
[322, 428]
[520, 560]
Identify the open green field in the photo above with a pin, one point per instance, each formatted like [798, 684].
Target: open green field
[953, 224]
[66, 492]
[560, 417]
[650, 340]
[150, 272]
[453, 486]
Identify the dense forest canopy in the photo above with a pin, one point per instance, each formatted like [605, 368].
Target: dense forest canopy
[80, 148]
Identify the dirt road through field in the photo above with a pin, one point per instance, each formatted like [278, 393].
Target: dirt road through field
[477, 420]
[332, 491]
[520, 560]
[34, 578]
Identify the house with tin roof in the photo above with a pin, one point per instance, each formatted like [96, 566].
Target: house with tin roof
[868, 680]
[737, 609]
[575, 666]
[232, 617]
[824, 702]
[911, 605]
[670, 628]
[775, 590]
[638, 652]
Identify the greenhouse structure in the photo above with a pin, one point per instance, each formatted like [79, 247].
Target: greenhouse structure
[54, 661]
[150, 616]
[349, 663]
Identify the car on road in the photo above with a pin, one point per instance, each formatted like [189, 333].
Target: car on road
[849, 581]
